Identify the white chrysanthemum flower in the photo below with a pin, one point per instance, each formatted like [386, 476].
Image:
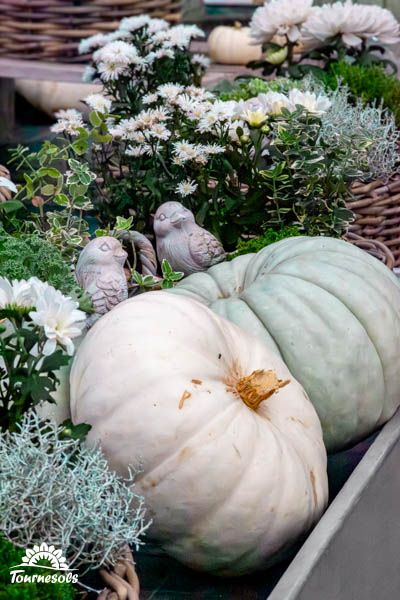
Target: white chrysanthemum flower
[314, 104]
[274, 102]
[254, 117]
[134, 23]
[186, 151]
[69, 121]
[136, 151]
[179, 36]
[119, 52]
[219, 113]
[279, 17]
[159, 131]
[352, 22]
[149, 98]
[170, 91]
[99, 103]
[91, 43]
[16, 294]
[89, 74]
[199, 93]
[156, 25]
[111, 71]
[186, 188]
[60, 318]
[201, 60]
[212, 149]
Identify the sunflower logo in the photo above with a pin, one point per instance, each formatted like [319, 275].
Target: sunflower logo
[37, 554]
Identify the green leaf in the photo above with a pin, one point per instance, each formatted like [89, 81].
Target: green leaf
[95, 119]
[166, 268]
[74, 432]
[61, 200]
[11, 206]
[54, 361]
[80, 147]
[48, 189]
[49, 172]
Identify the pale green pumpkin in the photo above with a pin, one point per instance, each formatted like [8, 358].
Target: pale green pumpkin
[331, 311]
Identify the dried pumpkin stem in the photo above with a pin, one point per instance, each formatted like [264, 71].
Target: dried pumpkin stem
[259, 386]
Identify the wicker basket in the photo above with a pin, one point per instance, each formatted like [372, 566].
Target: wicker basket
[51, 29]
[377, 209]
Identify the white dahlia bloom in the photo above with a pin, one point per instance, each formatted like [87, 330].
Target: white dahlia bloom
[316, 105]
[60, 318]
[279, 17]
[354, 23]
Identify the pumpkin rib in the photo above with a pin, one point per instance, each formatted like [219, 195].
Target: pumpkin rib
[284, 354]
[357, 318]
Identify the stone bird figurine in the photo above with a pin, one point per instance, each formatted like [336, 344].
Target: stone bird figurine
[100, 272]
[186, 246]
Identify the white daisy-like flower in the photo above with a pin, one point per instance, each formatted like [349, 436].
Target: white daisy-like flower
[186, 188]
[314, 104]
[111, 71]
[219, 113]
[170, 91]
[134, 23]
[180, 36]
[186, 151]
[279, 17]
[159, 131]
[136, 151]
[156, 25]
[99, 103]
[201, 60]
[199, 93]
[212, 149]
[234, 126]
[60, 318]
[89, 74]
[149, 98]
[90, 43]
[352, 22]
[118, 52]
[69, 122]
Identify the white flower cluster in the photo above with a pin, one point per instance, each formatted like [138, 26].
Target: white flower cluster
[57, 314]
[69, 121]
[120, 53]
[257, 110]
[317, 25]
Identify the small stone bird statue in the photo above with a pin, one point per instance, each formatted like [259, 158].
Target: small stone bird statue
[100, 271]
[186, 246]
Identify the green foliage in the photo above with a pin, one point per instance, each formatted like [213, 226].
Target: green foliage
[57, 175]
[29, 255]
[370, 83]
[26, 255]
[243, 89]
[270, 236]
[169, 278]
[10, 556]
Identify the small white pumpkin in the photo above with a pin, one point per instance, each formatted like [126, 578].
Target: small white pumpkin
[232, 45]
[233, 463]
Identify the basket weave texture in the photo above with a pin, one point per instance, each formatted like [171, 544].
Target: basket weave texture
[50, 30]
[377, 218]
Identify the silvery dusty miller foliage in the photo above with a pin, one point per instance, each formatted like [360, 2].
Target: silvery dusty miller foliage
[54, 490]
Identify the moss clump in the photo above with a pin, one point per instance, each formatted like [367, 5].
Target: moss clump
[11, 556]
[370, 83]
[270, 236]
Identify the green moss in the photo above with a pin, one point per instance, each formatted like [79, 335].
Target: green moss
[269, 237]
[370, 83]
[10, 556]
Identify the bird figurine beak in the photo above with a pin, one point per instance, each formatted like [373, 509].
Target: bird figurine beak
[177, 218]
[121, 256]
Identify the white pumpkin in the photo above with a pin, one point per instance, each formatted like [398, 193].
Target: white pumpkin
[233, 463]
[52, 96]
[232, 45]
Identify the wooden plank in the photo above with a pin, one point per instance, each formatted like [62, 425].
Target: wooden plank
[38, 70]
